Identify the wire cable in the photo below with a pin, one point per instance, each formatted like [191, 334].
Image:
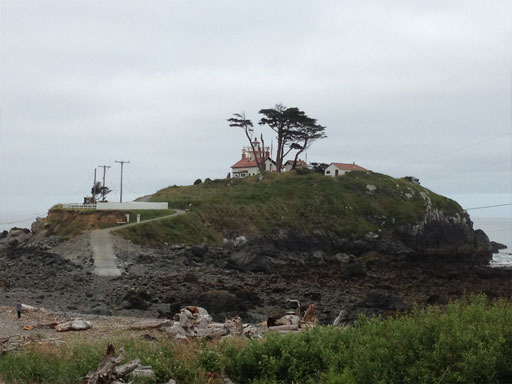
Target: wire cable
[489, 206]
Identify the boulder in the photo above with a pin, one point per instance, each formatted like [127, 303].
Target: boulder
[354, 271]
[240, 241]
[497, 246]
[220, 304]
[199, 250]
[342, 258]
[247, 261]
[18, 236]
[381, 300]
[370, 189]
[37, 225]
[136, 300]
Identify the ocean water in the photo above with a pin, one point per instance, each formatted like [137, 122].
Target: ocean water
[500, 230]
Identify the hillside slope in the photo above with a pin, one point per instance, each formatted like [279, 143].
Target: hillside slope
[307, 211]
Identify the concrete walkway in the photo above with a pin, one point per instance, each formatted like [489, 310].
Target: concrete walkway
[105, 260]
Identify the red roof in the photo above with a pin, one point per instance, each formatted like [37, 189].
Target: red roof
[349, 167]
[245, 163]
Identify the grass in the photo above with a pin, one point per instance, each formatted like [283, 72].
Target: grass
[306, 203]
[467, 342]
[71, 222]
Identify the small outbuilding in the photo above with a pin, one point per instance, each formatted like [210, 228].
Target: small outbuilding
[339, 169]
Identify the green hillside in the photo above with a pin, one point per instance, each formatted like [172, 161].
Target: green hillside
[300, 202]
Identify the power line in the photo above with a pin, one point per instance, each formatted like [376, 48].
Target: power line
[455, 150]
[21, 221]
[489, 206]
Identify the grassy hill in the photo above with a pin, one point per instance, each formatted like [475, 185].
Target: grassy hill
[300, 202]
[71, 222]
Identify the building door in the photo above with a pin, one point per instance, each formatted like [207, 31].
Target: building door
[336, 173]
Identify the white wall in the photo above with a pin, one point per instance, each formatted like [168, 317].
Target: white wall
[112, 206]
[332, 171]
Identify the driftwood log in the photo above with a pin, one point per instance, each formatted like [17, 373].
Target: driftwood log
[8, 344]
[74, 325]
[151, 325]
[111, 370]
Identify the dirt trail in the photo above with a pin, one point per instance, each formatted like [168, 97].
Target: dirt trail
[105, 260]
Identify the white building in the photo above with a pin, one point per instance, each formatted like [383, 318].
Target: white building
[339, 169]
[248, 166]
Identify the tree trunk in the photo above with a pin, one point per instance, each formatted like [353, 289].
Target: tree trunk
[252, 147]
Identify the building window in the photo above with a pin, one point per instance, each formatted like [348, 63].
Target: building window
[327, 172]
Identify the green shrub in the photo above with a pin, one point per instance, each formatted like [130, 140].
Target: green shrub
[468, 342]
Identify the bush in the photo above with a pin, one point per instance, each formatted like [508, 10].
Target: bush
[469, 342]
[198, 181]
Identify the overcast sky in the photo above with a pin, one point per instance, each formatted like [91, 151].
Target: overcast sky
[404, 87]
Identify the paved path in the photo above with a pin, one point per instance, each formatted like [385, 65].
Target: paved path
[105, 260]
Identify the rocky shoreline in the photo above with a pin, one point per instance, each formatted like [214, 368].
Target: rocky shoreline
[250, 279]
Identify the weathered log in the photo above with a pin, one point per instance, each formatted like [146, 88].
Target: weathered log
[126, 368]
[74, 325]
[13, 342]
[51, 325]
[309, 314]
[104, 374]
[151, 324]
[288, 320]
[145, 372]
[176, 331]
[211, 332]
[339, 320]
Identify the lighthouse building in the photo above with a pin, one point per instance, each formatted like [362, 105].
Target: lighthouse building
[247, 165]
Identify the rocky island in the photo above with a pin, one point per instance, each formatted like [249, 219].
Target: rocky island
[362, 243]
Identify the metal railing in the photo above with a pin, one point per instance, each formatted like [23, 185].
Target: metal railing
[79, 206]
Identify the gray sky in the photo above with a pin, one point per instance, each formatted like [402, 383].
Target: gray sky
[404, 88]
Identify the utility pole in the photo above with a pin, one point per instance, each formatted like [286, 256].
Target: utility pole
[103, 188]
[122, 163]
[94, 188]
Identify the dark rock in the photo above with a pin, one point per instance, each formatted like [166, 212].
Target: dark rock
[199, 250]
[354, 271]
[136, 300]
[497, 246]
[317, 257]
[381, 300]
[248, 298]
[436, 299]
[101, 311]
[190, 278]
[220, 304]
[247, 261]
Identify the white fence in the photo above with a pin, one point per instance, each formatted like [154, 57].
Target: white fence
[79, 206]
[111, 206]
